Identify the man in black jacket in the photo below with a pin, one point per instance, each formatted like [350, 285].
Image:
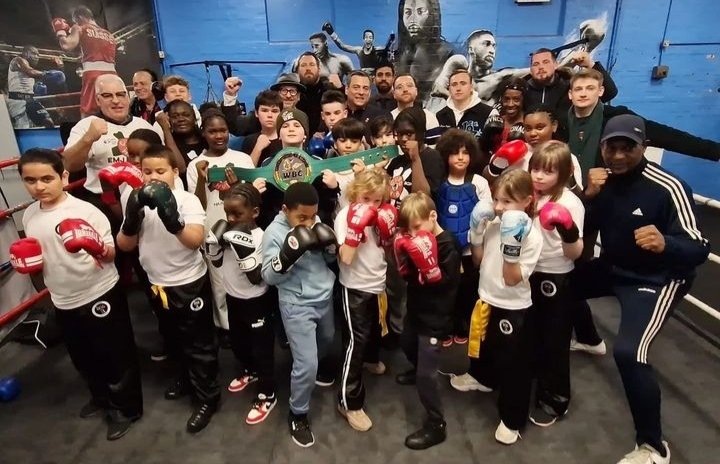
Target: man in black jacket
[464, 109]
[651, 247]
[308, 69]
[548, 86]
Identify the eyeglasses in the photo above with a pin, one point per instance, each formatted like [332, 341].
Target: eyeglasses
[110, 95]
[290, 92]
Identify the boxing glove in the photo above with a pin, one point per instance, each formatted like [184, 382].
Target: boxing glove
[386, 224]
[359, 216]
[78, 235]
[329, 141]
[214, 242]
[158, 195]
[111, 177]
[494, 124]
[297, 241]
[402, 260]
[53, 77]
[9, 389]
[507, 155]
[556, 216]
[482, 213]
[514, 227]
[61, 27]
[241, 242]
[423, 252]
[134, 215]
[316, 147]
[328, 28]
[517, 132]
[26, 255]
[40, 89]
[326, 238]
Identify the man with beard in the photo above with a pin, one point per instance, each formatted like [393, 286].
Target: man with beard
[420, 43]
[405, 93]
[384, 76]
[330, 63]
[308, 68]
[368, 54]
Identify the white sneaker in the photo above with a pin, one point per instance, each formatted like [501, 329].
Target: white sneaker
[467, 382]
[598, 350]
[505, 435]
[646, 454]
[377, 368]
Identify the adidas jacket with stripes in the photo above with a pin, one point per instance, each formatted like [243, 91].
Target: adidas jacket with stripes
[648, 195]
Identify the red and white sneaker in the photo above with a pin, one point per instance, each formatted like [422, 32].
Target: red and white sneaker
[261, 408]
[240, 383]
[447, 343]
[460, 340]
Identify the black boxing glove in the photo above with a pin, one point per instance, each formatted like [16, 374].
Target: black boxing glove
[517, 132]
[214, 242]
[325, 238]
[328, 28]
[297, 241]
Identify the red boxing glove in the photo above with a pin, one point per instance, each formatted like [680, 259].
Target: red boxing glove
[60, 26]
[387, 218]
[401, 258]
[111, 177]
[556, 216]
[359, 217]
[26, 256]
[507, 155]
[78, 235]
[423, 251]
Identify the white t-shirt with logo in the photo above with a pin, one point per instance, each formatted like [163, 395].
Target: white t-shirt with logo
[235, 281]
[367, 271]
[168, 262]
[108, 149]
[73, 279]
[552, 259]
[492, 288]
[215, 210]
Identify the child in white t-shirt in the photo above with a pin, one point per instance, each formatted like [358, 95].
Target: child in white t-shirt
[70, 242]
[363, 229]
[235, 247]
[508, 248]
[216, 133]
[560, 216]
[167, 225]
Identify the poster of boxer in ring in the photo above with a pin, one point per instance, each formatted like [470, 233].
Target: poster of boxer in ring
[51, 52]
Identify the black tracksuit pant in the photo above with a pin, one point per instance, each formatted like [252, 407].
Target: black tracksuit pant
[361, 314]
[100, 341]
[252, 337]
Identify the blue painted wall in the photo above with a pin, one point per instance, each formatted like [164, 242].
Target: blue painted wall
[277, 30]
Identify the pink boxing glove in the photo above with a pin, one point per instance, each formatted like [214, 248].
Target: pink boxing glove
[556, 216]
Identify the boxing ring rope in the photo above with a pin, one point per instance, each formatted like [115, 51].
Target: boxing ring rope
[26, 305]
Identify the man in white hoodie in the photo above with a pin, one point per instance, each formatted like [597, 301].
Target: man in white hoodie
[464, 109]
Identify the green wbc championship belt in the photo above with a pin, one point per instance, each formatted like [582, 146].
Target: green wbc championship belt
[292, 165]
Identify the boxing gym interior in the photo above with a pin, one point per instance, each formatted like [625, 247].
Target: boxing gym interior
[658, 59]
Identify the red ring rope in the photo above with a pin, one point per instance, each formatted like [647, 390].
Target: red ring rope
[9, 212]
[22, 307]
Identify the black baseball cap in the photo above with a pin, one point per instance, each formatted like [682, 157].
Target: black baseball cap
[625, 125]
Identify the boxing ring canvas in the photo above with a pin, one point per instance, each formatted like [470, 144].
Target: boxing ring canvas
[51, 52]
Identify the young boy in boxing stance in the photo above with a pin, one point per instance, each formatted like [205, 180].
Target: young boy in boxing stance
[296, 249]
[168, 227]
[70, 242]
[429, 259]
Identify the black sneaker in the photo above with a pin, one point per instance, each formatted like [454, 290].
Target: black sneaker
[323, 379]
[200, 417]
[159, 355]
[177, 390]
[431, 434]
[91, 409]
[544, 416]
[406, 378]
[118, 425]
[300, 430]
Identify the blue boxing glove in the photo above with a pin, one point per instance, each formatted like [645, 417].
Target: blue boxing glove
[514, 227]
[40, 89]
[53, 77]
[482, 213]
[316, 147]
[9, 389]
[329, 141]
